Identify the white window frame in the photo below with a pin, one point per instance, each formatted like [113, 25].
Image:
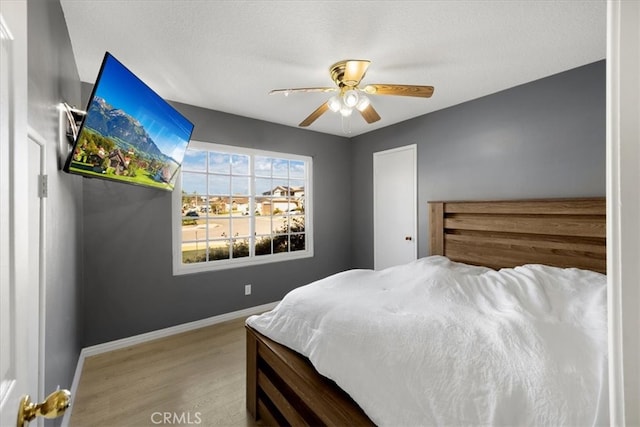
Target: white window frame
[180, 268]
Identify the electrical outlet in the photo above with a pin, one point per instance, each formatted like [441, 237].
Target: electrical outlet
[247, 289]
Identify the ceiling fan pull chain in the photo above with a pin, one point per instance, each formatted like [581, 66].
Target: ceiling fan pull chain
[346, 123]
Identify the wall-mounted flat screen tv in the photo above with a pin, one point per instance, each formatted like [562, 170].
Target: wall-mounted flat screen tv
[129, 133]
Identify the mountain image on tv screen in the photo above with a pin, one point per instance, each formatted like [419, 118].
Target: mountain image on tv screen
[129, 133]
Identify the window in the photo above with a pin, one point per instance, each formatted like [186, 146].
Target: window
[235, 207]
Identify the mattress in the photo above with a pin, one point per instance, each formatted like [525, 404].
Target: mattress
[435, 342]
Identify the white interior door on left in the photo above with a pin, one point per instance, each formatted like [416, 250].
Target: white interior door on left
[19, 330]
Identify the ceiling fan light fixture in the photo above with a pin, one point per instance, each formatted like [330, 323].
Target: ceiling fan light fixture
[363, 103]
[350, 98]
[334, 104]
[345, 111]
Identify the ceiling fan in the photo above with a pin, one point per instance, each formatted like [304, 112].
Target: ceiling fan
[347, 76]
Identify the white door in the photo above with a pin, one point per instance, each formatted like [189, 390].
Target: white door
[20, 221]
[395, 209]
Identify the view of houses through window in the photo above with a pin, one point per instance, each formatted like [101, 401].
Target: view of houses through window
[242, 204]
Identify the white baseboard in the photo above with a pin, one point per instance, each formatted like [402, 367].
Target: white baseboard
[150, 336]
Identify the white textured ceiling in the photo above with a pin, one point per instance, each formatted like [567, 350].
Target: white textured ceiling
[227, 55]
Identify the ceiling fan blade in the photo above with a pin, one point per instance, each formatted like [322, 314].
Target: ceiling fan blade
[399, 90]
[370, 114]
[313, 116]
[354, 71]
[303, 89]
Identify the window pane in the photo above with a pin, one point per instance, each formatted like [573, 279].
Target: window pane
[239, 186]
[240, 227]
[280, 167]
[281, 206]
[263, 186]
[262, 166]
[262, 225]
[260, 208]
[219, 205]
[296, 187]
[296, 224]
[279, 225]
[280, 187]
[263, 245]
[297, 206]
[194, 183]
[266, 204]
[297, 242]
[219, 162]
[239, 206]
[194, 161]
[296, 169]
[193, 229]
[192, 254]
[219, 227]
[280, 243]
[201, 202]
[239, 164]
[302, 204]
[188, 208]
[244, 208]
[240, 248]
[219, 250]
[219, 184]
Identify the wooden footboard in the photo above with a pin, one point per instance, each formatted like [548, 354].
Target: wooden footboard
[283, 388]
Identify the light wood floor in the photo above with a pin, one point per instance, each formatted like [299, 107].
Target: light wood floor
[194, 378]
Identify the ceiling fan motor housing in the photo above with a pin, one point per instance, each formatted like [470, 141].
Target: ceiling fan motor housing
[357, 68]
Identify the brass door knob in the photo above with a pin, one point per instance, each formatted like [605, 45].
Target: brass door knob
[53, 406]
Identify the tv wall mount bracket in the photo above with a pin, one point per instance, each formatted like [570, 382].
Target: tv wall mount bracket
[70, 122]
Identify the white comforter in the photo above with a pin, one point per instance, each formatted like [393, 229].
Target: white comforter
[440, 343]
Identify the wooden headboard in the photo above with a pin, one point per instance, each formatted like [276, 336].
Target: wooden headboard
[497, 234]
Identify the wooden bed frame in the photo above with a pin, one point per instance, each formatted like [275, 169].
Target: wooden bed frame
[283, 388]
[556, 232]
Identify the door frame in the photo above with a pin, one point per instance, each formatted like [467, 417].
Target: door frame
[623, 210]
[35, 138]
[413, 148]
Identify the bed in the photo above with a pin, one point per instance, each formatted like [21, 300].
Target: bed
[284, 387]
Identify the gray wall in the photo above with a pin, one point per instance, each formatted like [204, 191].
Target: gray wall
[53, 78]
[129, 286]
[542, 139]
